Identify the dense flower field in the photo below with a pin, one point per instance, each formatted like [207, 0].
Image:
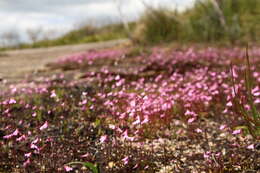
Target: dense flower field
[160, 110]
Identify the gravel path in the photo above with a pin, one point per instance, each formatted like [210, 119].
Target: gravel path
[15, 64]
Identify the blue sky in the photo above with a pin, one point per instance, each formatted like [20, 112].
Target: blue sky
[60, 16]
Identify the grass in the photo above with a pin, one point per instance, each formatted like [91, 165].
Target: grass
[85, 34]
[251, 116]
[158, 25]
[233, 21]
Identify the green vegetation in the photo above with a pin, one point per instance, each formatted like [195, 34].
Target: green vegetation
[157, 25]
[207, 21]
[92, 167]
[251, 116]
[85, 34]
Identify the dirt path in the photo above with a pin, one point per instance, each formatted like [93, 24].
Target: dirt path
[16, 63]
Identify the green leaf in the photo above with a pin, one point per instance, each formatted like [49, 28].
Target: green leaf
[97, 123]
[241, 127]
[90, 166]
[249, 84]
[245, 128]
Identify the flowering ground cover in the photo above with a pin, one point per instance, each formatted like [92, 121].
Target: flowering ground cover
[130, 110]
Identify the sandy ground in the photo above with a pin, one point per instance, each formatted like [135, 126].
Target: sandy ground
[15, 64]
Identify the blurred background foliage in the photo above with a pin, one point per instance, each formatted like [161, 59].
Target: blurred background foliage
[208, 21]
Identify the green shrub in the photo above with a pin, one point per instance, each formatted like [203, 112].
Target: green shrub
[204, 24]
[157, 25]
[224, 21]
[85, 34]
[240, 17]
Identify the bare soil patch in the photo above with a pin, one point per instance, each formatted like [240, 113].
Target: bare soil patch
[15, 64]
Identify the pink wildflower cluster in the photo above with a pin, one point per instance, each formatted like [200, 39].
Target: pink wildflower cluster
[185, 95]
[196, 58]
[169, 88]
[91, 56]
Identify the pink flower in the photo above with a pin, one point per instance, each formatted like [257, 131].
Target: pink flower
[198, 130]
[125, 160]
[236, 132]
[53, 94]
[15, 133]
[35, 141]
[251, 147]
[111, 126]
[84, 102]
[49, 139]
[225, 111]
[222, 127]
[34, 114]
[28, 155]
[125, 136]
[146, 120]
[21, 138]
[132, 103]
[103, 138]
[12, 101]
[256, 94]
[27, 162]
[257, 101]
[234, 73]
[137, 121]
[190, 113]
[117, 77]
[256, 91]
[119, 83]
[229, 104]
[207, 155]
[14, 90]
[67, 168]
[191, 120]
[44, 126]
[135, 166]
[6, 111]
[33, 146]
[84, 155]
